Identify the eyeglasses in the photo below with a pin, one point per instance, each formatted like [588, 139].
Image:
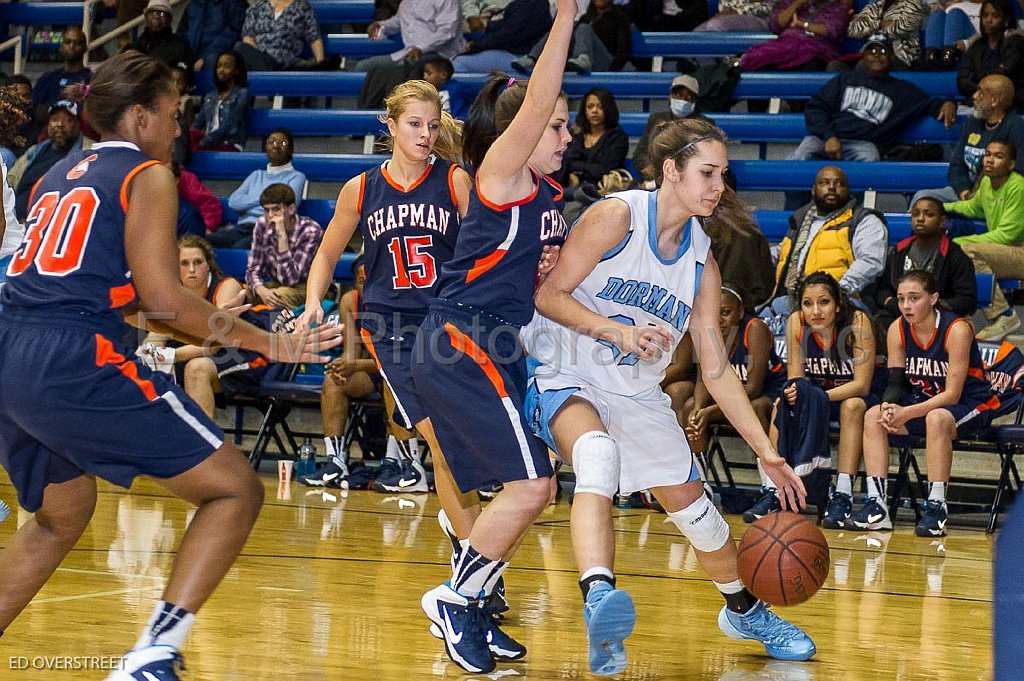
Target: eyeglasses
[877, 49]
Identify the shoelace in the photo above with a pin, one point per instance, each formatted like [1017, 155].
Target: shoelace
[773, 628]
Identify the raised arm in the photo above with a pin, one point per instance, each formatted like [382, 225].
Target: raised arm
[339, 233]
[503, 174]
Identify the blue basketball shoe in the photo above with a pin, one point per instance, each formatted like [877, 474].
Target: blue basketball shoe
[933, 520]
[155, 663]
[609, 615]
[782, 640]
[767, 503]
[463, 626]
[333, 474]
[388, 474]
[838, 511]
[872, 516]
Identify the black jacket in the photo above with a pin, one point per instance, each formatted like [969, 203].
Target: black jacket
[591, 164]
[980, 61]
[955, 277]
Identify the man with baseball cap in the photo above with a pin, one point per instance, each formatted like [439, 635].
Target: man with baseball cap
[159, 41]
[682, 102]
[860, 114]
[63, 135]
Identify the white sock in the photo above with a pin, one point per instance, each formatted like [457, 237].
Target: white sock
[392, 449]
[844, 484]
[876, 487]
[766, 482]
[937, 491]
[597, 571]
[332, 444]
[473, 571]
[414, 448]
[733, 587]
[168, 626]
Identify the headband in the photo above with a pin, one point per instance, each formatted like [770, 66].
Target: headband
[735, 293]
[692, 143]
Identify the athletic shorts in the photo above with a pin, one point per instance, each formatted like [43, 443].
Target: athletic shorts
[971, 423]
[653, 451]
[73, 402]
[470, 375]
[391, 340]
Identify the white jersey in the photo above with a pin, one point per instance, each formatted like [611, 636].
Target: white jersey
[15, 231]
[634, 285]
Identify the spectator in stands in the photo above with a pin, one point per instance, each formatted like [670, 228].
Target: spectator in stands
[438, 72]
[835, 235]
[682, 103]
[859, 114]
[947, 30]
[998, 49]
[899, 19]
[12, 115]
[181, 76]
[598, 146]
[740, 16]
[601, 41]
[19, 87]
[680, 379]
[478, 12]
[53, 86]
[668, 15]
[283, 246]
[751, 354]
[159, 41]
[809, 31]
[512, 33]
[351, 376]
[1000, 250]
[427, 29]
[191, 189]
[199, 370]
[274, 34]
[832, 378]
[190, 220]
[928, 248]
[223, 117]
[937, 391]
[279, 147]
[214, 26]
[992, 120]
[64, 134]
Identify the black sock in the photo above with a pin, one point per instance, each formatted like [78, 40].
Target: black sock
[740, 602]
[586, 584]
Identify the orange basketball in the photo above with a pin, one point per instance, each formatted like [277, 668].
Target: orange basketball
[783, 559]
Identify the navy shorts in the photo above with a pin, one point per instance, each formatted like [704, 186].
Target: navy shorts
[471, 376]
[74, 402]
[391, 339]
[972, 421]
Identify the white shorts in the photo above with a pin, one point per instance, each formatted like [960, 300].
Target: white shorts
[652, 447]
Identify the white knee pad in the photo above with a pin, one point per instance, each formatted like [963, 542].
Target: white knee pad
[595, 460]
[703, 525]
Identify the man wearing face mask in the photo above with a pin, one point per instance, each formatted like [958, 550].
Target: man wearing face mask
[682, 104]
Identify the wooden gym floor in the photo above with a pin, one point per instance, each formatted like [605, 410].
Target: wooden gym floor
[328, 587]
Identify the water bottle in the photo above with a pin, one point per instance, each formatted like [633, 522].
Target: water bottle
[307, 459]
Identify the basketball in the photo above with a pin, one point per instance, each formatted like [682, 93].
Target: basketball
[783, 559]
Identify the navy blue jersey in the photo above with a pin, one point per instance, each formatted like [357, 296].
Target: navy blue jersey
[739, 359]
[210, 294]
[1004, 368]
[928, 364]
[826, 372]
[499, 248]
[73, 255]
[407, 235]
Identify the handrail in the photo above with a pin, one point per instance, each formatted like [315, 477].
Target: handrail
[14, 42]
